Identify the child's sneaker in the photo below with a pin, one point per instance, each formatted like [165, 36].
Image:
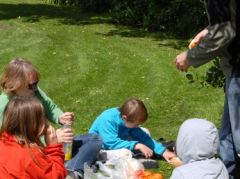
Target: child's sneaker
[138, 155]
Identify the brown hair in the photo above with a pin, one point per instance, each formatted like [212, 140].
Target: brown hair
[24, 119]
[17, 75]
[135, 110]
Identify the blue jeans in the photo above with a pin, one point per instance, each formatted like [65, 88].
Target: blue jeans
[85, 150]
[230, 128]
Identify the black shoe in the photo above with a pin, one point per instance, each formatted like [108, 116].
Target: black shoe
[138, 155]
[170, 145]
[149, 163]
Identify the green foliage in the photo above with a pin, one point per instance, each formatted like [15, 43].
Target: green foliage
[172, 16]
[59, 2]
[213, 77]
[129, 12]
[92, 5]
[96, 5]
[182, 17]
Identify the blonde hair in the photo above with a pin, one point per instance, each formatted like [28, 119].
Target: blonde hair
[25, 120]
[135, 110]
[17, 74]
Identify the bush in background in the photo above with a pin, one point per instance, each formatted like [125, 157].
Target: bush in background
[181, 17]
[214, 76]
[92, 5]
[177, 16]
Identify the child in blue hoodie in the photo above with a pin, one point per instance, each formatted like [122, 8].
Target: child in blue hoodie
[119, 128]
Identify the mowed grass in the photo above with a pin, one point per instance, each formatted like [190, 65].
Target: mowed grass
[88, 65]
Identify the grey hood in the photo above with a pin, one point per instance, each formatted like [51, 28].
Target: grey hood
[197, 146]
[197, 140]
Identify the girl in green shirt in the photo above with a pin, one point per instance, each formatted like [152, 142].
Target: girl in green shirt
[21, 78]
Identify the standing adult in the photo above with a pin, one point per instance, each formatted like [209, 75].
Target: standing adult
[221, 39]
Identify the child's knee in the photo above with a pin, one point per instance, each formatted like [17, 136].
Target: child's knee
[95, 138]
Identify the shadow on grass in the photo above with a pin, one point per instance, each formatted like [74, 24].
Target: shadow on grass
[172, 40]
[36, 12]
[76, 16]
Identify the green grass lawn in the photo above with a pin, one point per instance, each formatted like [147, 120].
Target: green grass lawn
[88, 64]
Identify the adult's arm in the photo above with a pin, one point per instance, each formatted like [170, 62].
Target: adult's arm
[221, 32]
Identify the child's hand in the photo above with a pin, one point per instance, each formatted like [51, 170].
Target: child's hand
[168, 155]
[144, 149]
[64, 135]
[51, 136]
[66, 118]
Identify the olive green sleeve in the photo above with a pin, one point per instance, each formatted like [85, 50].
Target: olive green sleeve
[213, 45]
[4, 99]
[221, 32]
[52, 111]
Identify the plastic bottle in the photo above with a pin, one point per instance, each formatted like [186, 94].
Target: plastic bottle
[67, 147]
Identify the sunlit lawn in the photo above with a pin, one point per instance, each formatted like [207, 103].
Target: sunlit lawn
[88, 64]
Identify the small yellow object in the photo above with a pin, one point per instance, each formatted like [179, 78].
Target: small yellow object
[176, 162]
[192, 44]
[68, 152]
[67, 147]
[68, 156]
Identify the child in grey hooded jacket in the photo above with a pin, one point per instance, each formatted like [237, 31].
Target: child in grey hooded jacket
[197, 147]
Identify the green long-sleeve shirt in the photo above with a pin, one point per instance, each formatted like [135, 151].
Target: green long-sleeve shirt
[52, 111]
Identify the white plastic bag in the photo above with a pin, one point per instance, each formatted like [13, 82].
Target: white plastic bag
[114, 168]
[111, 154]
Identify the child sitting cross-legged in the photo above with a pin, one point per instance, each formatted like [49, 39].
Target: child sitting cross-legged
[119, 128]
